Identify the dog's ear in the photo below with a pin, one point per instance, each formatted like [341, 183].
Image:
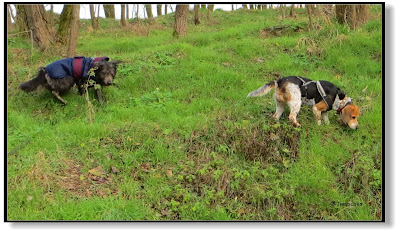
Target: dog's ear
[115, 62]
[96, 65]
[341, 94]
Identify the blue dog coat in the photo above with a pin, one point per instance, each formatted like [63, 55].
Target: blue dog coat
[77, 67]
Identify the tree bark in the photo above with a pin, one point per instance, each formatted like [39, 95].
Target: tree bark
[127, 11]
[95, 22]
[159, 10]
[109, 11]
[10, 25]
[123, 19]
[149, 12]
[34, 17]
[210, 10]
[310, 23]
[73, 35]
[292, 11]
[180, 26]
[196, 14]
[283, 11]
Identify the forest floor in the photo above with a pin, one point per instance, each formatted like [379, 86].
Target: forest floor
[177, 139]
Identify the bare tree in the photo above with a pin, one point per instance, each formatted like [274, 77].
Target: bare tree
[180, 26]
[309, 10]
[196, 14]
[292, 11]
[10, 25]
[159, 10]
[149, 11]
[95, 21]
[283, 10]
[210, 10]
[73, 35]
[123, 19]
[109, 11]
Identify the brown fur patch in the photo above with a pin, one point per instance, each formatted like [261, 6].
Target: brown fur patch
[283, 95]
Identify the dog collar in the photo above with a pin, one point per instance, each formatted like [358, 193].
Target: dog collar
[346, 102]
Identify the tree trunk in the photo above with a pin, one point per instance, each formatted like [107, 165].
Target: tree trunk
[292, 11]
[149, 12]
[362, 13]
[341, 12]
[65, 24]
[251, 7]
[244, 6]
[283, 11]
[95, 22]
[210, 10]
[159, 10]
[166, 9]
[109, 11]
[127, 11]
[180, 26]
[10, 25]
[123, 19]
[259, 7]
[233, 8]
[34, 17]
[203, 6]
[73, 35]
[310, 23]
[196, 15]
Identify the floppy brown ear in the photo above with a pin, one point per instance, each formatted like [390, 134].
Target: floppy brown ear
[96, 65]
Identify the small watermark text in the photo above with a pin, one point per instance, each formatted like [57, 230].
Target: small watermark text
[346, 204]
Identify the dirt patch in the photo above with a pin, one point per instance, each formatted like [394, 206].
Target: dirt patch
[277, 31]
[95, 182]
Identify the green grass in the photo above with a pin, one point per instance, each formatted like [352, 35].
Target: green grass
[187, 143]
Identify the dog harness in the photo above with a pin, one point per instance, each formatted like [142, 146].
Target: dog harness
[77, 67]
[347, 102]
[320, 89]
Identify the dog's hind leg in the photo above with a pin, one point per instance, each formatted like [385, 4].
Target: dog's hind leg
[55, 93]
[280, 107]
[294, 106]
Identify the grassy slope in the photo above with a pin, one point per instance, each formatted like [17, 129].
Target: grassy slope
[186, 141]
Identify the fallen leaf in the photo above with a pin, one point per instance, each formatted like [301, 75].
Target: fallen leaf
[165, 212]
[114, 170]
[145, 167]
[365, 89]
[97, 171]
[169, 173]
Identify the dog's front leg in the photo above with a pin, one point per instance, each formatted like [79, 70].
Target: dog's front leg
[325, 117]
[55, 93]
[99, 95]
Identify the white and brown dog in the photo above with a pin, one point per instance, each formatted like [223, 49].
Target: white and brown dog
[323, 96]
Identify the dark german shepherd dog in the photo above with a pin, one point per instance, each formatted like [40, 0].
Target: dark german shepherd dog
[60, 76]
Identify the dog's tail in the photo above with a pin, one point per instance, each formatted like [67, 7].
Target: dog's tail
[33, 84]
[263, 90]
